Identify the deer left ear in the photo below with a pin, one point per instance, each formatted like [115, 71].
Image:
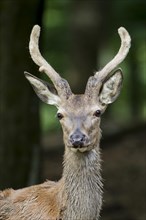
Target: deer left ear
[44, 90]
[111, 88]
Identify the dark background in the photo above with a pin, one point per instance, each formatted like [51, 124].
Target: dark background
[77, 38]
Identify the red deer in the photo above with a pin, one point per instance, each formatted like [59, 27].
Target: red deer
[78, 194]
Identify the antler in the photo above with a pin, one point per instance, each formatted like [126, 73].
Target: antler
[60, 84]
[100, 76]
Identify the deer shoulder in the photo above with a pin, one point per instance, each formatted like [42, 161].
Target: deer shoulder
[43, 202]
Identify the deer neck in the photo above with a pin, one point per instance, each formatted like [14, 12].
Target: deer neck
[82, 184]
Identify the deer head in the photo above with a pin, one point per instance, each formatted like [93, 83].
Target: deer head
[79, 115]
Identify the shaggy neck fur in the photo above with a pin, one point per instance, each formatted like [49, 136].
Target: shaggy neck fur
[83, 185]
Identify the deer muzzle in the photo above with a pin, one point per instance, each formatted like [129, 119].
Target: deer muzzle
[79, 140]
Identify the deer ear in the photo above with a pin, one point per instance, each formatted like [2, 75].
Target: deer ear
[111, 88]
[46, 92]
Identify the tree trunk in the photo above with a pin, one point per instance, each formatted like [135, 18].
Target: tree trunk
[19, 127]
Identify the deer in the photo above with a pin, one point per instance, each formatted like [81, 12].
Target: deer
[78, 195]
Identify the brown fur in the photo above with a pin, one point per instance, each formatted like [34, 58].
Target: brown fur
[41, 202]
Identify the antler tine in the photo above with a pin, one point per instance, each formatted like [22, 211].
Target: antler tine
[60, 84]
[37, 57]
[122, 53]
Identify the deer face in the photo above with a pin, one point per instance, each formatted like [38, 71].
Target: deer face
[79, 115]
[80, 120]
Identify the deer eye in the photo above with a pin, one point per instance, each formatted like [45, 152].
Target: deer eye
[97, 113]
[59, 116]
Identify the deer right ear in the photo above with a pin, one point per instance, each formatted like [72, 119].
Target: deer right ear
[46, 92]
[111, 88]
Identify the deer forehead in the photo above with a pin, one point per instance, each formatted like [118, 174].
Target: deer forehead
[78, 105]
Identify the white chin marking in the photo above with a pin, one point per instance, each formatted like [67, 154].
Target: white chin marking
[74, 149]
[83, 149]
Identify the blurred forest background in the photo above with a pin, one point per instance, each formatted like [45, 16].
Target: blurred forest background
[77, 38]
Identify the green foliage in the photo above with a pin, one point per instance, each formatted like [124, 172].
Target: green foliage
[55, 38]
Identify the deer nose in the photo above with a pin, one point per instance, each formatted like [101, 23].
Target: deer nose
[77, 139]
